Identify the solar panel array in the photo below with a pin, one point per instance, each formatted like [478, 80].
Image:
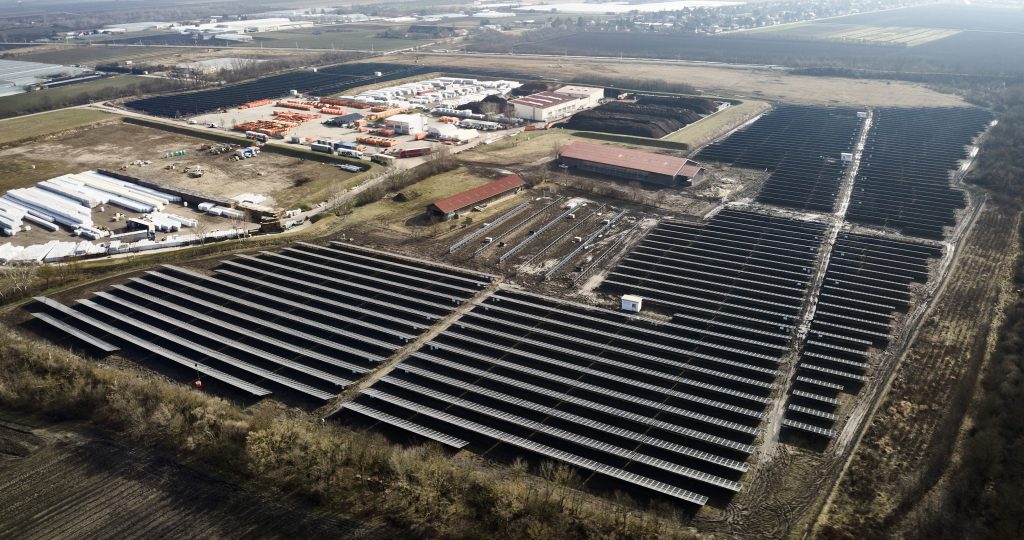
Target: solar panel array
[322, 82]
[866, 284]
[740, 274]
[904, 177]
[801, 146]
[664, 406]
[305, 321]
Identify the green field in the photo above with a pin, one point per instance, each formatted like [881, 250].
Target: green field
[77, 94]
[37, 125]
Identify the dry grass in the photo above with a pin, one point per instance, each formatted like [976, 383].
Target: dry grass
[39, 125]
[712, 127]
[770, 84]
[392, 215]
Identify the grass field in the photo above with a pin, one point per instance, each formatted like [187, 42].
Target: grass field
[96, 54]
[393, 215]
[711, 127]
[66, 95]
[38, 125]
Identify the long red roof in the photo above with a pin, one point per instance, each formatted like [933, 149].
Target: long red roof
[478, 194]
[630, 159]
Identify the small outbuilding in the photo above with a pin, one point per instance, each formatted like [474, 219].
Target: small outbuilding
[632, 303]
[450, 207]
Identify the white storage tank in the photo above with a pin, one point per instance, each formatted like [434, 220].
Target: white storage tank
[632, 303]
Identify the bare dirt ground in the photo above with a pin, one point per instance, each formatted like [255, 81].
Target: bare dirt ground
[60, 482]
[286, 180]
[759, 83]
[917, 423]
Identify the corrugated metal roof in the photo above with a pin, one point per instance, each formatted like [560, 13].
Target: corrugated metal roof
[543, 100]
[631, 159]
[482, 193]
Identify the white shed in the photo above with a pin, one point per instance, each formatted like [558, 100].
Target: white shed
[632, 303]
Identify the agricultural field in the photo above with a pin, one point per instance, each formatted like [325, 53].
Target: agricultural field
[92, 486]
[970, 56]
[899, 36]
[948, 16]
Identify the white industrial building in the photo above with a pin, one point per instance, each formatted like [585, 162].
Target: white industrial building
[405, 124]
[589, 96]
[545, 106]
[245, 27]
[444, 92]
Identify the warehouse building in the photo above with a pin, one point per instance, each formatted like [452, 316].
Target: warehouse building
[589, 97]
[668, 171]
[450, 207]
[405, 124]
[545, 106]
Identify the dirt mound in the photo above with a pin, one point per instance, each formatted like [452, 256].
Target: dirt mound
[650, 116]
[476, 107]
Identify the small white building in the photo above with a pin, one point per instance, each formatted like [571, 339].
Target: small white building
[588, 96]
[545, 106]
[632, 303]
[405, 124]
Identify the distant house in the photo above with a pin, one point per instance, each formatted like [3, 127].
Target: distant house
[647, 167]
[450, 207]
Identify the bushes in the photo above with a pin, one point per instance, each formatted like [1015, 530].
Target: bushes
[420, 489]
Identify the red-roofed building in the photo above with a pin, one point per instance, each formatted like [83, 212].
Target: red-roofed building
[450, 207]
[629, 164]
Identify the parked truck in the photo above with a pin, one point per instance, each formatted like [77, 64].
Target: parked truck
[383, 159]
[320, 147]
[414, 152]
[345, 152]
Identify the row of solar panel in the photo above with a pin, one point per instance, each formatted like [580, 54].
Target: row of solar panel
[867, 284]
[308, 320]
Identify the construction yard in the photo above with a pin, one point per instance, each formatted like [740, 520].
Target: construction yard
[287, 181]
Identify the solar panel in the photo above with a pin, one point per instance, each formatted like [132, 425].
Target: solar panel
[816, 397]
[558, 433]
[255, 337]
[733, 426]
[600, 426]
[257, 321]
[812, 412]
[72, 331]
[613, 411]
[153, 348]
[808, 428]
[442, 438]
[547, 451]
[214, 354]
